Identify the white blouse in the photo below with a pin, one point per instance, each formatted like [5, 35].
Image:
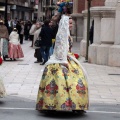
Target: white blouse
[14, 38]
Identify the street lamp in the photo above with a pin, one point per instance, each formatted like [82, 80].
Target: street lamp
[6, 3]
[88, 28]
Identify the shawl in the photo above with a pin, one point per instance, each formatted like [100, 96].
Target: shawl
[61, 44]
[4, 32]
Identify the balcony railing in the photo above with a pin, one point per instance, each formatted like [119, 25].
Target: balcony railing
[25, 3]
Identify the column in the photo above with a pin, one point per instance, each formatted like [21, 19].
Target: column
[114, 51]
[83, 41]
[75, 6]
[40, 12]
[96, 14]
[107, 35]
[117, 24]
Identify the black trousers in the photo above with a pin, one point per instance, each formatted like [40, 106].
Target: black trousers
[38, 55]
[21, 39]
[31, 38]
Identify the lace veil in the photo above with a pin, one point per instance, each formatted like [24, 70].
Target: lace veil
[61, 44]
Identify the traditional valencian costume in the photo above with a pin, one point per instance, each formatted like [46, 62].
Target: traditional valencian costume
[2, 88]
[63, 85]
[15, 50]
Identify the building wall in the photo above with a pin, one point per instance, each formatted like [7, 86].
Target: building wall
[98, 3]
[81, 5]
[21, 9]
[95, 3]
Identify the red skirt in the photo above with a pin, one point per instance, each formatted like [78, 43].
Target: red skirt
[15, 51]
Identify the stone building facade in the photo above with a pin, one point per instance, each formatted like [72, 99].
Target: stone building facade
[46, 9]
[21, 9]
[105, 49]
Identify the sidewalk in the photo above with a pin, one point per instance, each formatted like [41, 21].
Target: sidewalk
[22, 78]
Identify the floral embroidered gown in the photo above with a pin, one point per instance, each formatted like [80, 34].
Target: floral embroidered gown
[63, 86]
[2, 89]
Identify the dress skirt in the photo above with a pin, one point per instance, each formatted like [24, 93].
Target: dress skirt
[63, 87]
[2, 89]
[15, 51]
[4, 46]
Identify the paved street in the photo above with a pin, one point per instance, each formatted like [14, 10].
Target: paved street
[17, 108]
[22, 78]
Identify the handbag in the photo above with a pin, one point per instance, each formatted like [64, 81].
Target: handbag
[38, 43]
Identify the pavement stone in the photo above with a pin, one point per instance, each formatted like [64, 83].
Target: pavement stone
[22, 77]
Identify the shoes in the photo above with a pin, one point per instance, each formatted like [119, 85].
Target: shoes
[12, 59]
[43, 63]
[36, 61]
[4, 58]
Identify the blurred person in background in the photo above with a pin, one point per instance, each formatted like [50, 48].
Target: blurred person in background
[27, 29]
[37, 53]
[32, 31]
[21, 32]
[10, 25]
[15, 50]
[4, 36]
[46, 35]
[54, 26]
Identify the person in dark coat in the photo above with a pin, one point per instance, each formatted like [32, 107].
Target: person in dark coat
[27, 29]
[54, 26]
[18, 27]
[91, 32]
[46, 35]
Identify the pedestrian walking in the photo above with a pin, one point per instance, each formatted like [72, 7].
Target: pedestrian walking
[10, 25]
[27, 29]
[21, 32]
[32, 31]
[46, 40]
[18, 27]
[63, 85]
[37, 53]
[4, 36]
[54, 26]
[15, 50]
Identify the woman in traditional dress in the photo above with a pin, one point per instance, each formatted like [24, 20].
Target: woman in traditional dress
[15, 50]
[63, 85]
[2, 88]
[4, 36]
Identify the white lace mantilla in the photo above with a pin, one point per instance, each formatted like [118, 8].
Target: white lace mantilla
[61, 44]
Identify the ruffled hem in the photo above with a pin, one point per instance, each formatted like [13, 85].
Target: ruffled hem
[2, 90]
[15, 51]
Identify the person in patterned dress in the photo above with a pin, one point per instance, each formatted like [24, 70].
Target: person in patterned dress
[63, 86]
[2, 88]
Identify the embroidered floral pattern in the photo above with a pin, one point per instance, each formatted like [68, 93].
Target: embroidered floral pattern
[80, 87]
[51, 88]
[63, 88]
[68, 105]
